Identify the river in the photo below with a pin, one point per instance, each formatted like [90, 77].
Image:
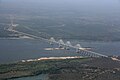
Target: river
[12, 50]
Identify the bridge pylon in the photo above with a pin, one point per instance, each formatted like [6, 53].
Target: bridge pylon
[52, 40]
[68, 45]
[61, 43]
[77, 47]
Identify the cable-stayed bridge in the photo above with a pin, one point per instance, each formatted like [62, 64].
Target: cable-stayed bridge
[84, 51]
[77, 47]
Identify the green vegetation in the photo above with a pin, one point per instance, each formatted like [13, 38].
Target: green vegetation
[32, 68]
[83, 69]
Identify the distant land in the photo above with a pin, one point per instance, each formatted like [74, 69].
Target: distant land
[77, 20]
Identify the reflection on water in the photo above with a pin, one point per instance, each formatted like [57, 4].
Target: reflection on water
[39, 77]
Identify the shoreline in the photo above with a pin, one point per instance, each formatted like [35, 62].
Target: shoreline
[52, 58]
